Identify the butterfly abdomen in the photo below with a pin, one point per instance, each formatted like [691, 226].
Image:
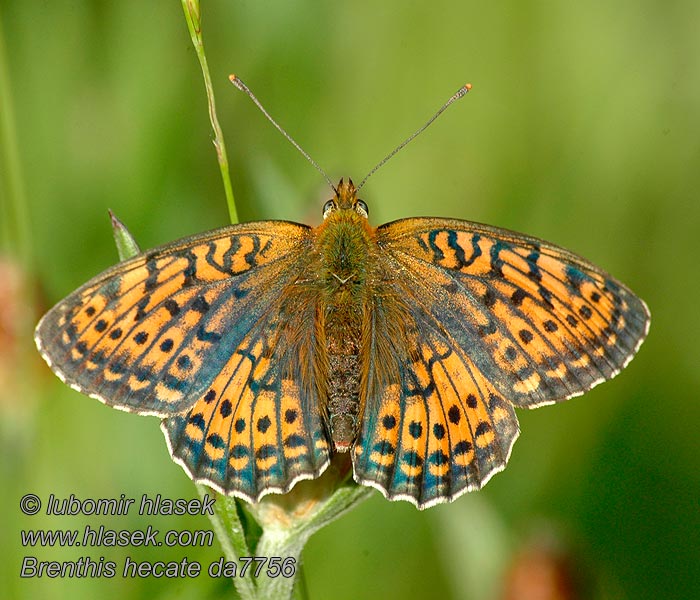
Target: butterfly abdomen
[343, 399]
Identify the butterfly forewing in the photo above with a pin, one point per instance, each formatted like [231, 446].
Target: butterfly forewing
[135, 335]
[540, 322]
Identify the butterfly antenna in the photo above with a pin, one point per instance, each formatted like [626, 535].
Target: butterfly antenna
[235, 80]
[460, 94]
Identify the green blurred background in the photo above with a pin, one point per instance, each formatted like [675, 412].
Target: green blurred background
[583, 128]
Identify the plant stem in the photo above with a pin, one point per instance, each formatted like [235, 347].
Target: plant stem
[192, 16]
[231, 535]
[15, 229]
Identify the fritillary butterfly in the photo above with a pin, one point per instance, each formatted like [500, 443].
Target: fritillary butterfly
[266, 347]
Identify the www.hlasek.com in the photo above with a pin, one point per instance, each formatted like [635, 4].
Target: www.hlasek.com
[103, 537]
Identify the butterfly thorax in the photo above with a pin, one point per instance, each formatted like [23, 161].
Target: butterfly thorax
[346, 247]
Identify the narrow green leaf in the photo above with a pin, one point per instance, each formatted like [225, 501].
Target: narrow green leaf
[125, 242]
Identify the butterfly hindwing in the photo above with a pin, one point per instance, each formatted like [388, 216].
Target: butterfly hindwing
[440, 431]
[257, 429]
[150, 334]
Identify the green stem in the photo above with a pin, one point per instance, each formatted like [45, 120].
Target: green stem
[287, 522]
[231, 535]
[192, 16]
[15, 219]
[286, 539]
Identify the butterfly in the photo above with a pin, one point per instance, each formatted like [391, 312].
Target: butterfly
[267, 347]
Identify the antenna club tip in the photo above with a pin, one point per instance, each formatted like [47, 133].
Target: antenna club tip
[238, 83]
[467, 86]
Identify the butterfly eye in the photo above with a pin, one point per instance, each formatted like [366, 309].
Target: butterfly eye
[361, 208]
[328, 208]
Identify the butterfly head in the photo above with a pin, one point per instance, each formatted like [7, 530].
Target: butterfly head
[345, 199]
